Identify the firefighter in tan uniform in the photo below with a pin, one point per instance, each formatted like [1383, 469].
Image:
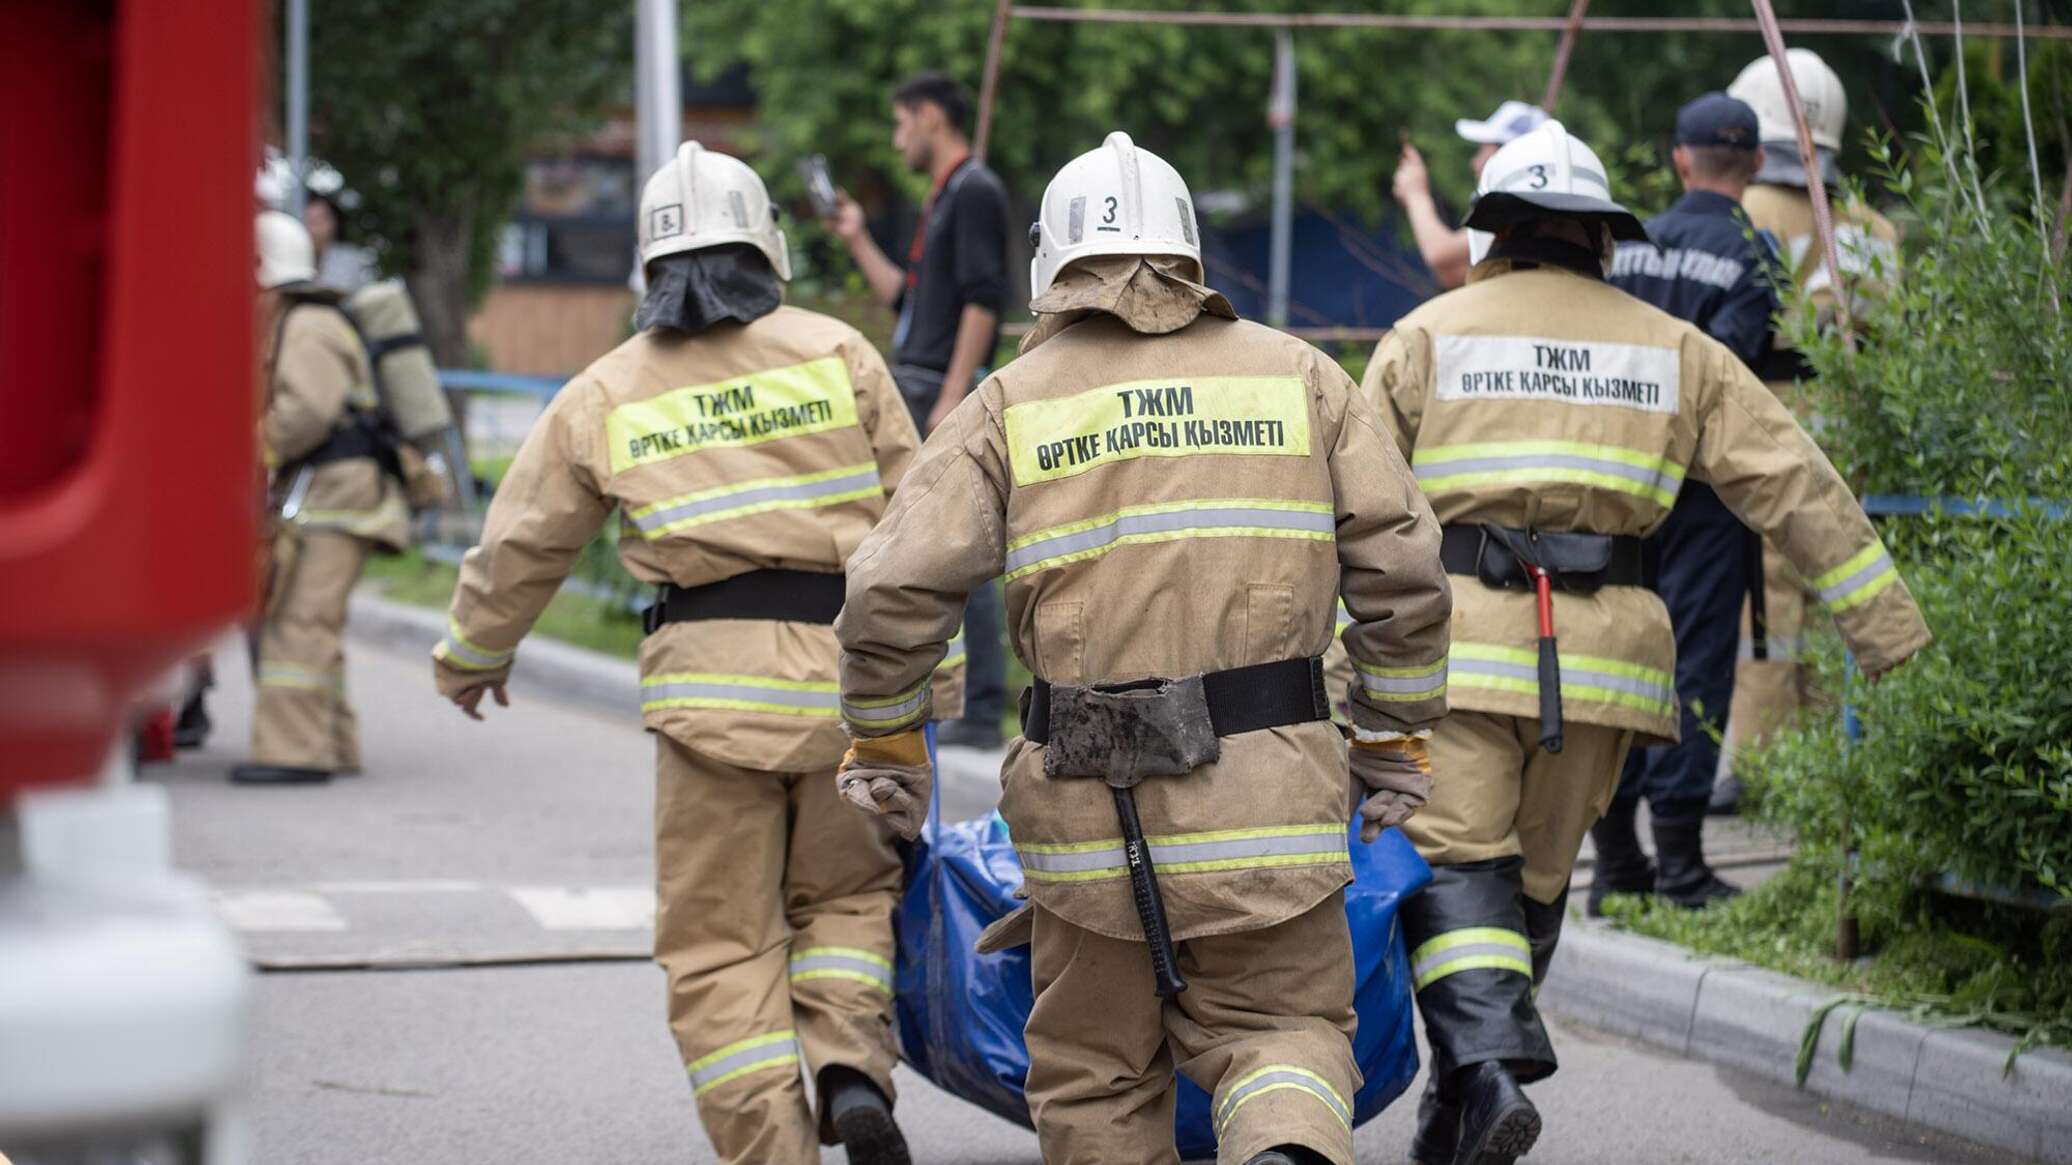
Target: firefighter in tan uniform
[1769, 681]
[748, 447]
[332, 502]
[1551, 420]
[1175, 498]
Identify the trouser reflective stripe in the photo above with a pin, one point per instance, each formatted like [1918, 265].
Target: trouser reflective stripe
[1858, 580]
[1469, 949]
[456, 650]
[888, 713]
[1207, 518]
[1583, 677]
[804, 491]
[1443, 467]
[851, 963]
[1277, 1078]
[288, 675]
[755, 1054]
[741, 693]
[1782, 649]
[1233, 849]
[1399, 685]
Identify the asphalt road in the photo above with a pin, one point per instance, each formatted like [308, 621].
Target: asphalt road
[413, 1010]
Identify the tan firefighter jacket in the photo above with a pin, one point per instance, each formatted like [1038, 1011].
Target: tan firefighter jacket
[1542, 398]
[1866, 246]
[773, 444]
[1163, 505]
[315, 369]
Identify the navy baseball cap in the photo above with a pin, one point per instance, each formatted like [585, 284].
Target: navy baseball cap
[1716, 119]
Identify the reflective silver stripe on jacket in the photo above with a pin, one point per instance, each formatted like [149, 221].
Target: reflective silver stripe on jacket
[1233, 849]
[1232, 517]
[745, 693]
[852, 963]
[783, 493]
[888, 712]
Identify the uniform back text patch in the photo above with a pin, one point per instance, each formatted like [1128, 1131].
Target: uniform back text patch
[1258, 415]
[747, 410]
[1576, 372]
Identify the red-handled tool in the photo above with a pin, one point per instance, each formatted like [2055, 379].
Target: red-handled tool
[1550, 661]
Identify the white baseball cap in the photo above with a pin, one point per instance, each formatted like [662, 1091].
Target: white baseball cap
[1511, 121]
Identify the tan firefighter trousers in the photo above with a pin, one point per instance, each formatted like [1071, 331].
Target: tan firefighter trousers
[1265, 1027]
[1496, 794]
[773, 920]
[300, 716]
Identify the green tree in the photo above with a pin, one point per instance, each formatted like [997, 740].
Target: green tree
[428, 107]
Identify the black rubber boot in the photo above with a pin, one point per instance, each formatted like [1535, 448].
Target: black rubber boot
[1543, 930]
[191, 730]
[855, 1115]
[1683, 876]
[277, 775]
[1622, 866]
[1498, 1124]
[1726, 797]
[1438, 1125]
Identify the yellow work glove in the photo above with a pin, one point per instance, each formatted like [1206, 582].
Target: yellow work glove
[889, 777]
[1396, 777]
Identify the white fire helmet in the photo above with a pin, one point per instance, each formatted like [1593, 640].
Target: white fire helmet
[1820, 92]
[286, 254]
[701, 199]
[1117, 200]
[1547, 172]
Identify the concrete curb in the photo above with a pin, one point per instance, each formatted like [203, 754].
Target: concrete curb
[557, 671]
[1729, 1012]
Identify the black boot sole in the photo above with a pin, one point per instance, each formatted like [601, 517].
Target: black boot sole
[871, 1136]
[1509, 1137]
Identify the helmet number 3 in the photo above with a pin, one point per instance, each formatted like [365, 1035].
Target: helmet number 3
[1110, 215]
[1539, 176]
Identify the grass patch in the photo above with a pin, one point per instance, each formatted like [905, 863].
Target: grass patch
[1943, 961]
[585, 622]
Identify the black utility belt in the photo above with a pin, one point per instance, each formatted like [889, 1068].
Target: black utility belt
[1574, 562]
[1242, 699]
[359, 436]
[786, 596]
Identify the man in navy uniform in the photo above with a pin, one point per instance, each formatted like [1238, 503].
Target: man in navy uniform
[1709, 266]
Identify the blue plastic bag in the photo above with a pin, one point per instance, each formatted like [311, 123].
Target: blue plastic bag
[961, 1013]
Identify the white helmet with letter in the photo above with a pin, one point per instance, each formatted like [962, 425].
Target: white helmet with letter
[1820, 92]
[1117, 200]
[1546, 173]
[700, 199]
[286, 253]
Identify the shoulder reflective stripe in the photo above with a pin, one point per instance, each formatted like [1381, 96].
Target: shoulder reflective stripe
[851, 963]
[1496, 462]
[1187, 853]
[889, 711]
[1207, 518]
[755, 1054]
[1399, 685]
[1858, 580]
[1583, 677]
[1275, 1078]
[1469, 949]
[745, 410]
[739, 693]
[1255, 415]
[464, 654]
[804, 491]
[289, 675]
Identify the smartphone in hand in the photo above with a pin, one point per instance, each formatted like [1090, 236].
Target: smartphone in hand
[820, 189]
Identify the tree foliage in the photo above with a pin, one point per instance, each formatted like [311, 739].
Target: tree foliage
[429, 108]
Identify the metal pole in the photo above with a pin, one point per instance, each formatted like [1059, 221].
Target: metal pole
[1823, 219]
[658, 96]
[298, 104]
[989, 84]
[1562, 53]
[1280, 114]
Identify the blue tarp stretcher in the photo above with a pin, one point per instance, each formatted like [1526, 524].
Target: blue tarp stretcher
[961, 1013]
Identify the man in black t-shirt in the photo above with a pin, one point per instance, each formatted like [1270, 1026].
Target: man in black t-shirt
[948, 295]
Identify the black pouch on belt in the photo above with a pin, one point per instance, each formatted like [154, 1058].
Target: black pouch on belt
[1577, 563]
[1122, 733]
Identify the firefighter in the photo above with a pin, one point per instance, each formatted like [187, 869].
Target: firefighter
[1173, 497]
[748, 447]
[335, 497]
[1769, 681]
[1551, 420]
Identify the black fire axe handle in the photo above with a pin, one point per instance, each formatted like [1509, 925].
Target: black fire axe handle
[1158, 935]
[1550, 695]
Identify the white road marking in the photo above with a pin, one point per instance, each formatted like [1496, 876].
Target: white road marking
[277, 910]
[401, 886]
[595, 908]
